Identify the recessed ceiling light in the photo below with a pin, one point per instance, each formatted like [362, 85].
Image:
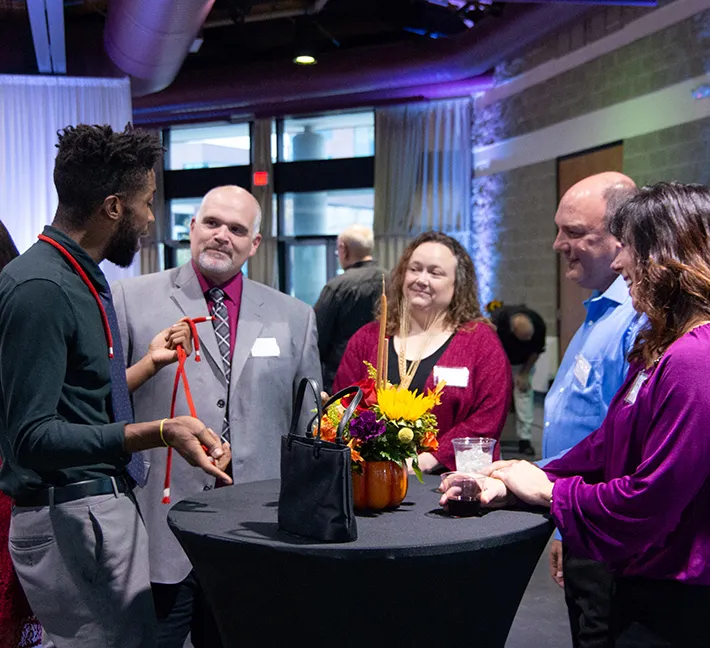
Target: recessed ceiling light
[305, 59]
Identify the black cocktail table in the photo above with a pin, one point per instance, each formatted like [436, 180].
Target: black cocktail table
[414, 577]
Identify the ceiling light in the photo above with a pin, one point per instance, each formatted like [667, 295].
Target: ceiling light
[304, 59]
[305, 46]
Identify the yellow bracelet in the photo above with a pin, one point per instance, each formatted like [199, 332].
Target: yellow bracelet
[162, 438]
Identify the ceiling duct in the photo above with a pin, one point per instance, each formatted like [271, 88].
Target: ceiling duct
[392, 72]
[149, 39]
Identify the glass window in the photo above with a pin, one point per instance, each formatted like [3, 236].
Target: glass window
[182, 255]
[326, 213]
[209, 146]
[308, 265]
[181, 213]
[328, 137]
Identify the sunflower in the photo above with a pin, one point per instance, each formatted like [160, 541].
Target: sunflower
[402, 404]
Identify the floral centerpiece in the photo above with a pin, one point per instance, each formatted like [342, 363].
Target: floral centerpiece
[389, 424]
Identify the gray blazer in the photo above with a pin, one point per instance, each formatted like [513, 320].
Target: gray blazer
[261, 389]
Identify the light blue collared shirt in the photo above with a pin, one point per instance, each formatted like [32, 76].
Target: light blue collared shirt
[592, 370]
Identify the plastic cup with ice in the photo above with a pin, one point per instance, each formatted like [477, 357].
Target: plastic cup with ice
[473, 453]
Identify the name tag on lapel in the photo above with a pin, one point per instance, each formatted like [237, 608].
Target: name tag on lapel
[632, 394]
[452, 376]
[582, 369]
[265, 348]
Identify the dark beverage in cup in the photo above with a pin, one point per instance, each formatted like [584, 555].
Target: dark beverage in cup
[463, 506]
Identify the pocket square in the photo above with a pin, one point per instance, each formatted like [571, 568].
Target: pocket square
[265, 348]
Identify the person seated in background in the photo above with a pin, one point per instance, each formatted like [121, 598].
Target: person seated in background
[635, 493]
[434, 320]
[347, 301]
[522, 333]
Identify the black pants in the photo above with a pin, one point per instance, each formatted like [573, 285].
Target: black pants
[182, 609]
[668, 613]
[588, 589]
[606, 612]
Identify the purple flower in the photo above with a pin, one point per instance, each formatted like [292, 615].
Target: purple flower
[366, 426]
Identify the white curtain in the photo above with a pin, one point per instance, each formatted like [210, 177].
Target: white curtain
[422, 173]
[32, 110]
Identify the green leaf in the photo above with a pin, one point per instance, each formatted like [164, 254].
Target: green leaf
[417, 470]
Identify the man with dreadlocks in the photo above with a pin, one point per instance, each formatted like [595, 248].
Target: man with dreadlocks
[70, 450]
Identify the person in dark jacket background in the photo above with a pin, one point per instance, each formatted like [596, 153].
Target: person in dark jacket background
[347, 302]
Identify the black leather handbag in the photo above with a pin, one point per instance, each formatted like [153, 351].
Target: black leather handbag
[316, 498]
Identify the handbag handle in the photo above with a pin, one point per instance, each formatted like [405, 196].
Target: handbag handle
[349, 411]
[298, 404]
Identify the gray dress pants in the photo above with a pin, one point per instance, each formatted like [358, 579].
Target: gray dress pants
[84, 568]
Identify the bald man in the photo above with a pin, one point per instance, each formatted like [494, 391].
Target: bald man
[347, 302]
[255, 352]
[591, 372]
[522, 333]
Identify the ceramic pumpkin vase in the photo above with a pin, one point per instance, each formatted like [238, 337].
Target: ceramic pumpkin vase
[381, 485]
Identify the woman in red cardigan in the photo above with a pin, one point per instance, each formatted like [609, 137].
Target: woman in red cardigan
[18, 628]
[449, 337]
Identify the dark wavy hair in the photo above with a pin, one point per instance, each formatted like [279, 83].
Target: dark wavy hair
[667, 228]
[94, 162]
[464, 307]
[8, 249]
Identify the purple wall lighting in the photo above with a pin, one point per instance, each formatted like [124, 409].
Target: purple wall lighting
[486, 230]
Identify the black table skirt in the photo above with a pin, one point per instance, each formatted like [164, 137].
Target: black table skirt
[414, 576]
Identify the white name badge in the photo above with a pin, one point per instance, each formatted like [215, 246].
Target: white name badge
[630, 397]
[265, 348]
[581, 370]
[452, 376]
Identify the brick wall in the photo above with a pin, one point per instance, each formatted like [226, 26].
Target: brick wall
[600, 22]
[679, 52]
[681, 153]
[514, 210]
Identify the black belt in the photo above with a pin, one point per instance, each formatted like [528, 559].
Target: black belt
[71, 492]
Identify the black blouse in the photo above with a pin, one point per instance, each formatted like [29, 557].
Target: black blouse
[426, 366]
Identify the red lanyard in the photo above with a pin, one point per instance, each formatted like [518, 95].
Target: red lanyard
[182, 356]
[84, 277]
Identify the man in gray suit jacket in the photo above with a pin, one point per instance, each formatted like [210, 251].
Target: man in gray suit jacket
[244, 385]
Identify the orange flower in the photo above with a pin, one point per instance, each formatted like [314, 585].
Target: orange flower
[354, 454]
[430, 442]
[327, 429]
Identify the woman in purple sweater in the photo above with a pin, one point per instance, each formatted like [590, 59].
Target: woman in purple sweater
[636, 493]
[448, 335]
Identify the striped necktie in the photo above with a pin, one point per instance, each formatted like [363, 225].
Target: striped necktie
[220, 322]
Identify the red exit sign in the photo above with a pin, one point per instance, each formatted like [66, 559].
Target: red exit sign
[261, 178]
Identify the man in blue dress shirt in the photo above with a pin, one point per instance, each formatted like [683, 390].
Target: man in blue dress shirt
[592, 370]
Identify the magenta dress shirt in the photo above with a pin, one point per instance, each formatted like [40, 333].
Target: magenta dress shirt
[636, 492]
